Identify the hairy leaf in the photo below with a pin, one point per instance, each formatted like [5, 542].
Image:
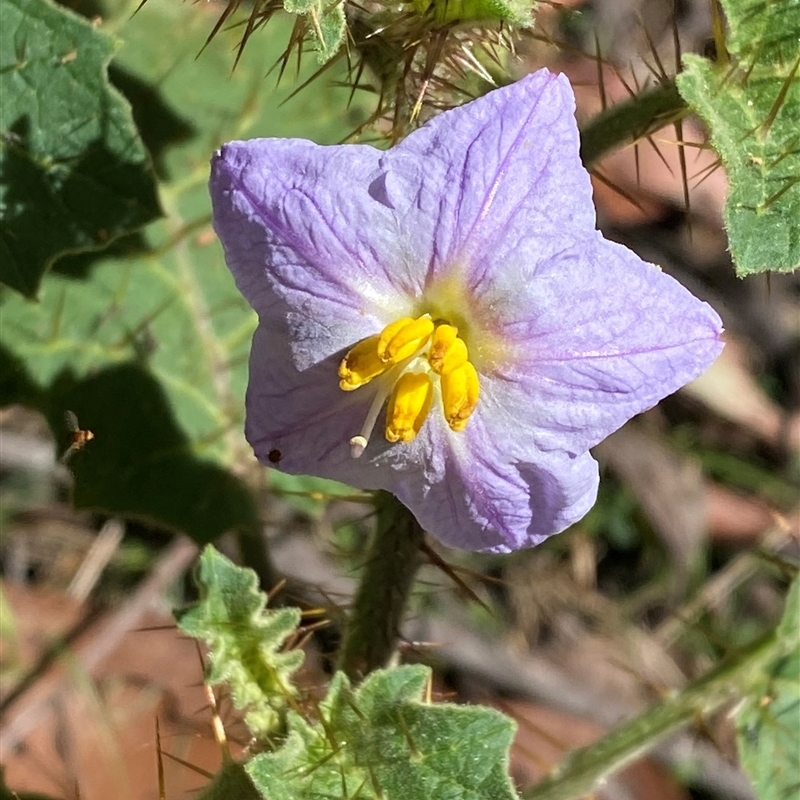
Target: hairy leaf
[325, 23]
[244, 641]
[382, 740]
[752, 107]
[445, 12]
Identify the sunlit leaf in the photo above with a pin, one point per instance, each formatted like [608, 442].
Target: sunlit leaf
[752, 107]
[382, 740]
[244, 641]
[74, 173]
[514, 12]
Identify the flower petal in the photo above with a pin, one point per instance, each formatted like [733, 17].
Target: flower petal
[600, 336]
[464, 487]
[477, 180]
[302, 417]
[309, 421]
[488, 504]
[299, 226]
[485, 215]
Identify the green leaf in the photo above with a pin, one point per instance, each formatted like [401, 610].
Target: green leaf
[768, 724]
[382, 740]
[332, 26]
[445, 12]
[75, 174]
[162, 302]
[752, 107]
[324, 21]
[299, 6]
[244, 641]
[176, 313]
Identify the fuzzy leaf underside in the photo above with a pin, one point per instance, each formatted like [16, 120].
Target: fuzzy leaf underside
[752, 108]
[74, 173]
[244, 641]
[381, 740]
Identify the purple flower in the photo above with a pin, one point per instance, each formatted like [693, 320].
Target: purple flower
[442, 320]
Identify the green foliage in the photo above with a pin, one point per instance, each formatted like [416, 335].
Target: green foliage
[148, 341]
[382, 740]
[768, 724]
[326, 22]
[444, 12]
[752, 106]
[75, 174]
[331, 32]
[244, 641]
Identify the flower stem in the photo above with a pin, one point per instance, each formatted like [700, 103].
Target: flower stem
[629, 121]
[392, 562]
[737, 677]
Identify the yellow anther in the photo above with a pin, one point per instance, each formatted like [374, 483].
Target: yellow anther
[403, 338]
[387, 334]
[361, 364]
[447, 352]
[408, 406]
[460, 391]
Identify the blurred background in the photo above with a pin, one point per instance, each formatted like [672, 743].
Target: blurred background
[683, 560]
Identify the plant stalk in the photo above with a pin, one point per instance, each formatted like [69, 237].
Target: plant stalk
[392, 562]
[584, 769]
[629, 122]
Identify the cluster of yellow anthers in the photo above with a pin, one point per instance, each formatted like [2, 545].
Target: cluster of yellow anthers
[407, 356]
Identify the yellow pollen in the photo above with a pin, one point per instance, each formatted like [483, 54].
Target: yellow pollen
[448, 351]
[403, 338]
[405, 360]
[361, 364]
[408, 406]
[460, 391]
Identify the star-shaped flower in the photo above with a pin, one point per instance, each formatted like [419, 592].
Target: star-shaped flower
[442, 320]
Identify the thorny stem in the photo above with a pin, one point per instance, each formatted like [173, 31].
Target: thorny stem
[388, 575]
[628, 122]
[735, 678]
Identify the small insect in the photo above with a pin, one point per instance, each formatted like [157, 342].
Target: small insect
[79, 436]
[274, 456]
